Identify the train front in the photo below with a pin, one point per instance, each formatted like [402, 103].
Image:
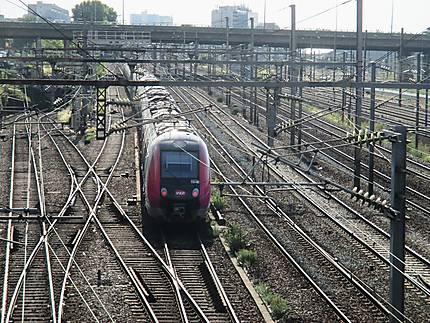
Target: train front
[178, 178]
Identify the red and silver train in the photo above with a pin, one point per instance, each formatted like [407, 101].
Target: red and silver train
[176, 161]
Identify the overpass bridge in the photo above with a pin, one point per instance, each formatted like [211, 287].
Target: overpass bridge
[324, 39]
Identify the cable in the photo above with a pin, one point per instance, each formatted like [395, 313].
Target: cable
[51, 24]
[324, 11]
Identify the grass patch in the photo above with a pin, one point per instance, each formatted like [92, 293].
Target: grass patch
[423, 152]
[64, 116]
[246, 258]
[277, 303]
[218, 201]
[336, 118]
[212, 229]
[100, 70]
[90, 135]
[236, 238]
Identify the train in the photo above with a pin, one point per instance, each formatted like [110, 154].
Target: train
[176, 171]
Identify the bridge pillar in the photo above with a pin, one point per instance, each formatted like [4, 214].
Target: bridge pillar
[76, 114]
[39, 53]
[66, 44]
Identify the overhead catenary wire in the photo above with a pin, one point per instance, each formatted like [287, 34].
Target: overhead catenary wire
[52, 25]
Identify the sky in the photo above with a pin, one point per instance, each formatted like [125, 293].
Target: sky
[412, 15]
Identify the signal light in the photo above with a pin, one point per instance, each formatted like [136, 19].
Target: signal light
[195, 192]
[164, 192]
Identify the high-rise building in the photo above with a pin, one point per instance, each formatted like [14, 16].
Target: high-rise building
[238, 17]
[145, 18]
[49, 11]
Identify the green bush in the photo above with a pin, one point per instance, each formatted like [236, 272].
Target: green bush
[277, 303]
[235, 238]
[219, 99]
[212, 230]
[235, 111]
[218, 201]
[279, 306]
[90, 135]
[246, 258]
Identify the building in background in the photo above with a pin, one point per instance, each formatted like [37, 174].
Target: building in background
[145, 18]
[1, 17]
[238, 16]
[268, 25]
[49, 11]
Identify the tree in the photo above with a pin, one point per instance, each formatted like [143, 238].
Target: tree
[88, 10]
[29, 18]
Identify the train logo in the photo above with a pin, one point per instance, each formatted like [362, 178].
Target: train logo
[180, 193]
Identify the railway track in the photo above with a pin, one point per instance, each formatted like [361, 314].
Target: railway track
[342, 157]
[118, 232]
[341, 312]
[32, 301]
[416, 266]
[186, 254]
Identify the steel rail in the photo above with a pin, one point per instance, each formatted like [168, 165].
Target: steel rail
[72, 197]
[39, 185]
[359, 284]
[344, 205]
[226, 302]
[340, 130]
[177, 290]
[27, 263]
[416, 255]
[38, 245]
[272, 238]
[27, 204]
[91, 210]
[68, 203]
[9, 232]
[409, 160]
[408, 201]
[41, 197]
[153, 251]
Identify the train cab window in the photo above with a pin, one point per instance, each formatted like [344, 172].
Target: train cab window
[179, 164]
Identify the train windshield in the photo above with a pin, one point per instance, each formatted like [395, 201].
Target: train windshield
[179, 164]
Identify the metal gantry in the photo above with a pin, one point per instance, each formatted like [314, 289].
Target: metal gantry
[101, 113]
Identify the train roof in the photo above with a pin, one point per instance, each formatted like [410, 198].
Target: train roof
[158, 103]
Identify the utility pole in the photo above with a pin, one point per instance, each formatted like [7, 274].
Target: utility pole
[334, 55]
[397, 238]
[227, 27]
[264, 16]
[400, 59]
[343, 88]
[417, 104]
[299, 127]
[372, 127]
[293, 75]
[271, 111]
[253, 104]
[123, 13]
[359, 91]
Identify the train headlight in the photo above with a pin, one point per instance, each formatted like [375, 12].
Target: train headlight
[164, 192]
[195, 192]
